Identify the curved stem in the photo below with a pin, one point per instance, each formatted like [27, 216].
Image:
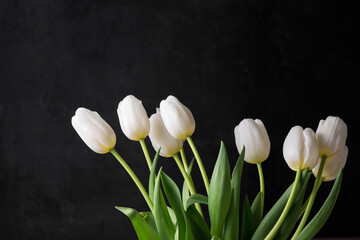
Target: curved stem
[199, 162]
[262, 187]
[287, 207]
[187, 180]
[184, 161]
[316, 187]
[146, 153]
[134, 178]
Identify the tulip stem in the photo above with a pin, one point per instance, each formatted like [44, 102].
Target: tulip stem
[309, 205]
[146, 153]
[184, 161]
[188, 181]
[200, 164]
[287, 207]
[134, 177]
[262, 187]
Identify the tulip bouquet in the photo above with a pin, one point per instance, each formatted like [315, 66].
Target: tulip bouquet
[178, 213]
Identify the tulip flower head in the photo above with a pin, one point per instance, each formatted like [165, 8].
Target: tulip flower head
[300, 149]
[160, 137]
[253, 135]
[331, 135]
[333, 164]
[177, 118]
[133, 118]
[93, 130]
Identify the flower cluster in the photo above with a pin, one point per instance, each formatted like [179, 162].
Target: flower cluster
[322, 153]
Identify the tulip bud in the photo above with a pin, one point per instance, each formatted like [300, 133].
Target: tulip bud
[93, 130]
[177, 118]
[300, 149]
[253, 135]
[133, 118]
[160, 137]
[333, 164]
[331, 135]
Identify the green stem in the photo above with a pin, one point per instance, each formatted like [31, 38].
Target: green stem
[184, 161]
[146, 153]
[187, 180]
[316, 187]
[199, 162]
[289, 202]
[262, 187]
[135, 178]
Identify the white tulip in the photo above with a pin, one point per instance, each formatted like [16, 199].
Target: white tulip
[93, 130]
[253, 135]
[133, 118]
[332, 165]
[177, 118]
[300, 149]
[331, 135]
[160, 137]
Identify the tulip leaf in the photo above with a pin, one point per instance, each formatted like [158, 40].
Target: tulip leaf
[247, 229]
[172, 193]
[295, 210]
[236, 184]
[196, 222]
[273, 215]
[256, 211]
[196, 198]
[143, 230]
[163, 222]
[228, 230]
[219, 192]
[185, 188]
[321, 217]
[153, 176]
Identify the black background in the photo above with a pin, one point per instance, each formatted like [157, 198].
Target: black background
[287, 63]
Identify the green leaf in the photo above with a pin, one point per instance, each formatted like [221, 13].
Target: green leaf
[293, 215]
[236, 183]
[152, 176]
[172, 193]
[164, 225]
[215, 238]
[247, 229]
[143, 230]
[219, 192]
[196, 198]
[256, 211]
[321, 217]
[199, 228]
[273, 215]
[185, 189]
[228, 230]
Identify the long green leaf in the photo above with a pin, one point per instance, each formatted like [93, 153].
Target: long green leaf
[236, 184]
[247, 220]
[173, 195]
[165, 228]
[185, 188]
[143, 230]
[150, 219]
[219, 192]
[256, 211]
[152, 176]
[196, 198]
[228, 230]
[321, 217]
[199, 228]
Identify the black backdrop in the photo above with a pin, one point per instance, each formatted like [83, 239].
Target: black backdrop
[286, 63]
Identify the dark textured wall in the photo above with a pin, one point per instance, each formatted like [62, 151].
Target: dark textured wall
[287, 63]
